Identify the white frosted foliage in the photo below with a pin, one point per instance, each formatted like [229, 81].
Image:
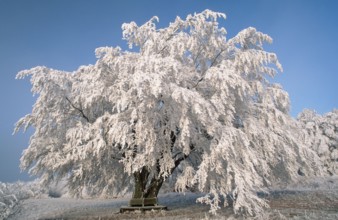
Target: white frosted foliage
[188, 104]
[321, 135]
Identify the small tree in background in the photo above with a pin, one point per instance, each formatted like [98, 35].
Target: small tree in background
[321, 134]
[188, 104]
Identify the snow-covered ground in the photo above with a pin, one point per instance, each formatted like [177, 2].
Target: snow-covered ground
[311, 199]
[180, 206]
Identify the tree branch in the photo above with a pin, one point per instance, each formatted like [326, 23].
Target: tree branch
[179, 160]
[168, 38]
[197, 55]
[78, 109]
[211, 65]
[176, 154]
[213, 62]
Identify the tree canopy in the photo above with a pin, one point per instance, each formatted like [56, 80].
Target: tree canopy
[185, 105]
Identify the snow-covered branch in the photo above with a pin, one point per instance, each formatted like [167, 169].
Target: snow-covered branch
[78, 109]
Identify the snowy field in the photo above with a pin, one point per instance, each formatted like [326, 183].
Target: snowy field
[313, 199]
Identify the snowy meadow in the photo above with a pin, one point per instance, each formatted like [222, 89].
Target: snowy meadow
[310, 199]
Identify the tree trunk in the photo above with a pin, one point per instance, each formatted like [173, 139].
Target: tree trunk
[141, 190]
[154, 187]
[141, 179]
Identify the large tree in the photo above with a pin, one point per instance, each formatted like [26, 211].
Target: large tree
[186, 105]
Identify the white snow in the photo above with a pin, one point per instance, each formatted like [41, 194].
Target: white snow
[56, 208]
[184, 206]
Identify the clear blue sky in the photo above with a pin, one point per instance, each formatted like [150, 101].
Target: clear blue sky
[63, 34]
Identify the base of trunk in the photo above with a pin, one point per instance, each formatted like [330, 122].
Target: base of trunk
[124, 209]
[142, 204]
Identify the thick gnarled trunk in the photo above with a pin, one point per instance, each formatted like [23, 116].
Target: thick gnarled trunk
[144, 190]
[141, 179]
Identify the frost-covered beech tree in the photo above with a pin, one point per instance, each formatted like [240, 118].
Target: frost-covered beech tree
[187, 105]
[321, 134]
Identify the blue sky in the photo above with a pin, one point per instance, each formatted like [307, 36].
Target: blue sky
[63, 34]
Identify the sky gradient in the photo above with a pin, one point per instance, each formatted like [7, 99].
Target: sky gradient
[63, 35]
